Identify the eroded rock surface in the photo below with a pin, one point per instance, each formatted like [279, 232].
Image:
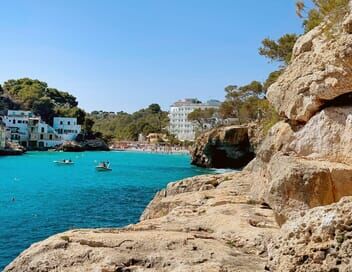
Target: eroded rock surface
[204, 223]
[305, 166]
[321, 70]
[319, 240]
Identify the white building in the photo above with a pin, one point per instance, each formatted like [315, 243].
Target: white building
[41, 135]
[17, 122]
[2, 136]
[30, 131]
[67, 128]
[179, 124]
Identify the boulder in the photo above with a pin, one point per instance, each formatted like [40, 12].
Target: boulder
[225, 147]
[320, 71]
[296, 184]
[96, 145]
[71, 146]
[327, 136]
[318, 240]
[12, 149]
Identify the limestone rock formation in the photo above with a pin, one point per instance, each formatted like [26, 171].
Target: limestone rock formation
[88, 145]
[327, 136]
[321, 70]
[318, 240]
[225, 147]
[199, 224]
[305, 166]
[11, 149]
[298, 184]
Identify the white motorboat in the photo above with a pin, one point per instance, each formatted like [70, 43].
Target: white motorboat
[103, 167]
[64, 162]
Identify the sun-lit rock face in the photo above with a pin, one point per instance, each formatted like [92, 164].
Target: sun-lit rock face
[326, 136]
[321, 70]
[319, 240]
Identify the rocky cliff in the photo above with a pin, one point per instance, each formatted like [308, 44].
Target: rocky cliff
[288, 210]
[225, 147]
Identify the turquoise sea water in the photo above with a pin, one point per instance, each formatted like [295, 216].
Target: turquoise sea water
[39, 198]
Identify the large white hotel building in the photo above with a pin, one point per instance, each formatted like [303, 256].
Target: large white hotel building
[183, 129]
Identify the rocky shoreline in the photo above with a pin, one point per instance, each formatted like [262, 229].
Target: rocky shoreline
[87, 145]
[189, 226]
[288, 210]
[224, 147]
[12, 149]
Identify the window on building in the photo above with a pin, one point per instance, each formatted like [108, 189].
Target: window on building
[68, 123]
[42, 130]
[50, 136]
[41, 136]
[13, 121]
[61, 122]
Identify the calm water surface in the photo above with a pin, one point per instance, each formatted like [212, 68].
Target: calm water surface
[39, 198]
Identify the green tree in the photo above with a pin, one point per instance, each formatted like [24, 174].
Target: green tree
[125, 126]
[201, 116]
[280, 50]
[154, 108]
[230, 108]
[71, 112]
[36, 96]
[254, 87]
[44, 107]
[273, 76]
[88, 125]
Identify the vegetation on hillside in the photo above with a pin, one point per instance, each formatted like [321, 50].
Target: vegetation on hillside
[329, 11]
[248, 103]
[36, 96]
[125, 126]
[201, 116]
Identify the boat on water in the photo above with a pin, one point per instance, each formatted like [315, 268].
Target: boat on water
[64, 162]
[103, 167]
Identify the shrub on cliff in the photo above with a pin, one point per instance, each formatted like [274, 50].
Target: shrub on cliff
[329, 11]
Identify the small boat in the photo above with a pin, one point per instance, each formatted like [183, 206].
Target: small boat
[64, 162]
[103, 167]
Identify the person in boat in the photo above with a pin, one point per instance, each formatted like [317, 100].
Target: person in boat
[102, 164]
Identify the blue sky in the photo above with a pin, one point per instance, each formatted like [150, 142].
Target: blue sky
[124, 55]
